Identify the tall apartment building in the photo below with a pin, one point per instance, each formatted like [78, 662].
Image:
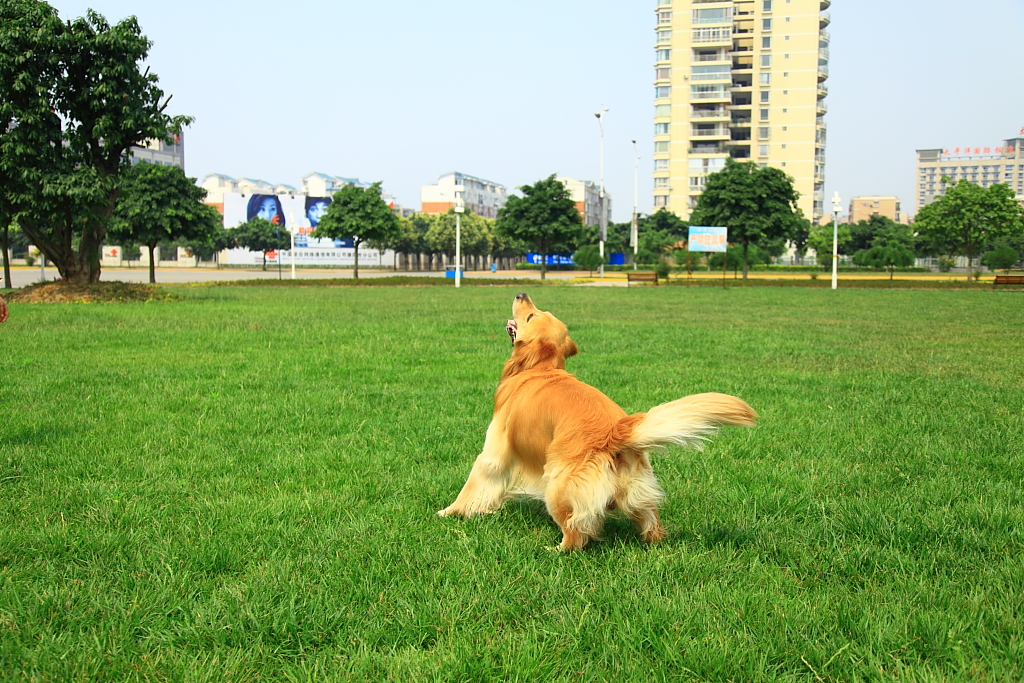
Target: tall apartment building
[983, 166]
[482, 197]
[587, 195]
[741, 79]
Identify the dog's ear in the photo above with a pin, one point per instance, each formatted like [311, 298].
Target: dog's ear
[568, 348]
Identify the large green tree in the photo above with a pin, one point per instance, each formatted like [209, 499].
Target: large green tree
[545, 217]
[73, 101]
[161, 204]
[968, 216]
[757, 205]
[359, 214]
[259, 234]
[477, 234]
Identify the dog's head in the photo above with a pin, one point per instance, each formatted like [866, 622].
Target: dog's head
[539, 339]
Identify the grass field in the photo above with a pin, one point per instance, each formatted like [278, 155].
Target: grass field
[240, 485]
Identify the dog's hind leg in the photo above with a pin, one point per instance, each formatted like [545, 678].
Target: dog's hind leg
[489, 480]
[638, 495]
[578, 500]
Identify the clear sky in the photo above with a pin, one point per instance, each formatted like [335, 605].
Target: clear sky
[405, 91]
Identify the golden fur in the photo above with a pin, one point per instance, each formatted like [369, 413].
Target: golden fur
[562, 441]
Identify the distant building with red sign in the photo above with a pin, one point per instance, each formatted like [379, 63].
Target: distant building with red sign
[980, 165]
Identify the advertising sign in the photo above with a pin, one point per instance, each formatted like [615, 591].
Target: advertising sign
[704, 238]
[297, 214]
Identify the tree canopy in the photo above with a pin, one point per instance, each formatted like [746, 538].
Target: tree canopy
[476, 234]
[968, 216]
[160, 204]
[259, 234]
[757, 205]
[359, 214]
[73, 101]
[545, 217]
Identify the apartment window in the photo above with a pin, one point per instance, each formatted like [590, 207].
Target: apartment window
[785, 111]
[712, 16]
[763, 133]
[661, 147]
[766, 24]
[663, 110]
[664, 36]
[764, 114]
[766, 43]
[765, 95]
[661, 183]
[663, 91]
[661, 129]
[664, 18]
[661, 164]
[766, 61]
[695, 181]
[762, 150]
[664, 55]
[766, 79]
[662, 74]
[661, 200]
[767, 6]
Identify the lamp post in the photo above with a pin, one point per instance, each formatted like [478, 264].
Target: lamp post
[291, 250]
[835, 238]
[602, 224]
[459, 209]
[633, 237]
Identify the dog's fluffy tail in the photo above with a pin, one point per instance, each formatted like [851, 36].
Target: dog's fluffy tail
[688, 421]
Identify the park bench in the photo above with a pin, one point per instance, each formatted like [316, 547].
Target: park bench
[1008, 280]
[632, 276]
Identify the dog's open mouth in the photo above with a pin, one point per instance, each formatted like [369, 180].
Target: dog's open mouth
[511, 328]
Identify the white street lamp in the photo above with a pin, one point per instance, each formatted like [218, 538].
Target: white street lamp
[633, 237]
[601, 222]
[836, 208]
[459, 209]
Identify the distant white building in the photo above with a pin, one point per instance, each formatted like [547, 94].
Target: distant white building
[322, 185]
[164, 152]
[482, 197]
[587, 195]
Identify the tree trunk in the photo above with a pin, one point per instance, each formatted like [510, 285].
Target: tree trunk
[969, 254]
[746, 245]
[264, 260]
[5, 245]
[355, 272]
[152, 264]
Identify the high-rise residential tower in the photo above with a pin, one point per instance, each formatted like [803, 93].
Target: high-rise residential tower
[741, 79]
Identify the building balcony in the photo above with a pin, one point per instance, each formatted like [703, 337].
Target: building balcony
[822, 72]
[819, 159]
[741, 123]
[824, 37]
[824, 19]
[720, 113]
[822, 91]
[823, 53]
[722, 96]
[711, 37]
[825, 4]
[717, 134]
[822, 109]
[820, 123]
[705, 148]
[741, 68]
[720, 57]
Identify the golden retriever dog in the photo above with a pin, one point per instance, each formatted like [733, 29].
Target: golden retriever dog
[557, 439]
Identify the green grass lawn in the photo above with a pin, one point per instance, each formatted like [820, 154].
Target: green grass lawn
[241, 485]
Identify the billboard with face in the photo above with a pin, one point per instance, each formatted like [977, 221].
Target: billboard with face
[296, 214]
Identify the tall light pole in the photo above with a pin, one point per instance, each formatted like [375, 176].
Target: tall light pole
[633, 228]
[601, 222]
[836, 207]
[459, 208]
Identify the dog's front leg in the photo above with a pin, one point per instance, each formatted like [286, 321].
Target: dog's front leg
[488, 482]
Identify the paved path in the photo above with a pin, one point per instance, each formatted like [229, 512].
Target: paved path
[22, 276]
